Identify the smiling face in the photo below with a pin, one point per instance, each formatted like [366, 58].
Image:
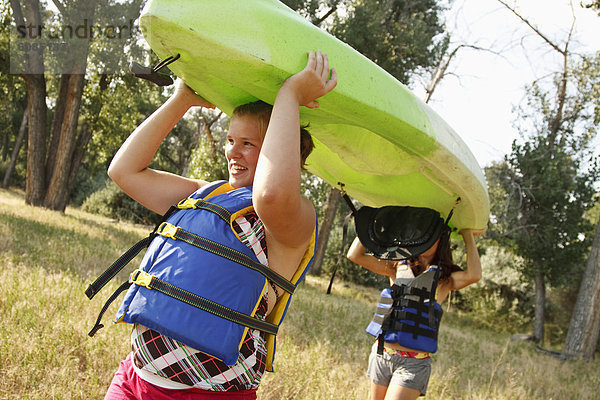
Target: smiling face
[244, 141]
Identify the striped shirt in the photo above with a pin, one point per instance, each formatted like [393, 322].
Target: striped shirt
[168, 363]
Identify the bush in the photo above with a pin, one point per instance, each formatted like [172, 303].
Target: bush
[86, 184]
[502, 299]
[112, 202]
[17, 178]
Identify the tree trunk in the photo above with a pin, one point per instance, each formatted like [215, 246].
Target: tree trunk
[16, 150]
[58, 190]
[57, 121]
[584, 329]
[333, 199]
[49, 173]
[64, 169]
[540, 305]
[36, 107]
[80, 148]
[5, 143]
[206, 127]
[36, 142]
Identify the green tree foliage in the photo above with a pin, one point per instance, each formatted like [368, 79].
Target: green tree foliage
[208, 160]
[550, 198]
[13, 100]
[112, 107]
[78, 34]
[398, 35]
[502, 299]
[582, 338]
[316, 11]
[542, 191]
[586, 74]
[114, 102]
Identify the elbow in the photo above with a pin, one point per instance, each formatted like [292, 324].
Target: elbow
[351, 257]
[355, 251]
[117, 174]
[273, 199]
[265, 195]
[476, 277]
[113, 173]
[276, 188]
[273, 208]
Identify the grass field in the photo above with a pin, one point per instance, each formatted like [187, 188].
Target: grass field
[48, 258]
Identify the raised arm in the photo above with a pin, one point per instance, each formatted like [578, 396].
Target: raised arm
[472, 274]
[156, 190]
[357, 255]
[287, 215]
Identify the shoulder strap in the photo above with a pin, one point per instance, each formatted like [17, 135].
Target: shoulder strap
[98, 325]
[176, 233]
[213, 189]
[116, 267]
[122, 261]
[209, 190]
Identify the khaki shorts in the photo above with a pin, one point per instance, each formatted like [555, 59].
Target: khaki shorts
[387, 369]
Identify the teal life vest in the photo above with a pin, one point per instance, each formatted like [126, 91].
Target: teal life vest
[199, 284]
[408, 314]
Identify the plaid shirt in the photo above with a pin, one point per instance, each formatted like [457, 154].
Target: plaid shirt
[169, 359]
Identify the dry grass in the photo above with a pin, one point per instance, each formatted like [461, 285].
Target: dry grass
[47, 259]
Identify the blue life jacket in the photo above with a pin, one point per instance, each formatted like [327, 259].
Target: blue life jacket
[408, 314]
[199, 284]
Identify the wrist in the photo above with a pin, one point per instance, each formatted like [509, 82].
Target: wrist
[289, 90]
[181, 102]
[466, 234]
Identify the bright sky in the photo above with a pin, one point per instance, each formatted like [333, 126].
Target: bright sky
[478, 102]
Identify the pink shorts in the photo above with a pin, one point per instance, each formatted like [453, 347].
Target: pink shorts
[127, 385]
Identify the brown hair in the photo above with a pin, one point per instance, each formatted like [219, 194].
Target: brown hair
[442, 258]
[262, 112]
